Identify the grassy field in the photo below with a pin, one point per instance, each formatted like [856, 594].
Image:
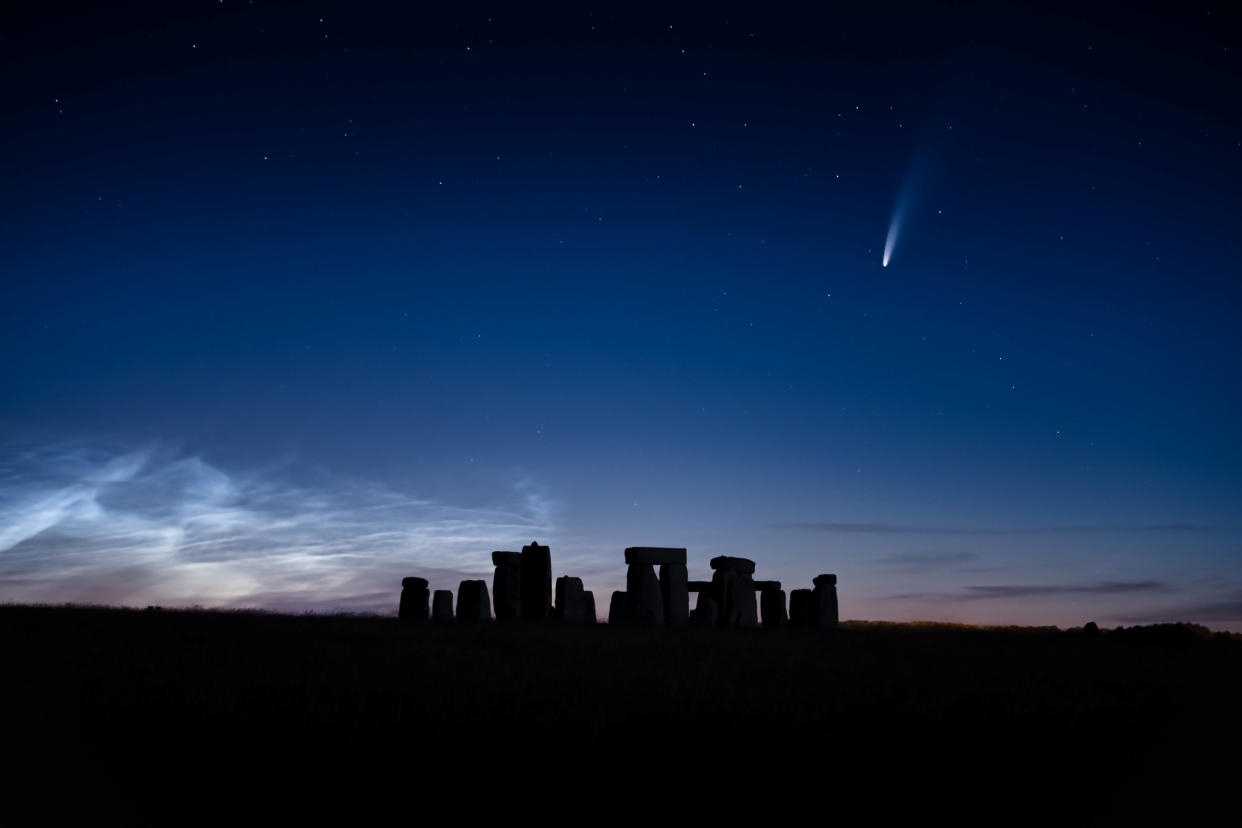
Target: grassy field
[888, 717]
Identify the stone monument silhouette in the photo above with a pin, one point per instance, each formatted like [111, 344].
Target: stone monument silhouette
[823, 611]
[570, 600]
[413, 606]
[652, 600]
[473, 603]
[442, 605]
[522, 584]
[507, 585]
[536, 582]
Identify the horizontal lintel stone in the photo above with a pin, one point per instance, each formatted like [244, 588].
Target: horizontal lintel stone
[655, 555]
[506, 559]
[734, 564]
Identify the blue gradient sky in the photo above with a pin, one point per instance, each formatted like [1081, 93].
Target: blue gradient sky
[291, 309]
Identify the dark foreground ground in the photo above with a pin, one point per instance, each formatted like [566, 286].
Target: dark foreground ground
[510, 723]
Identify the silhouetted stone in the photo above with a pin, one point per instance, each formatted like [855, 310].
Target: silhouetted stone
[507, 585]
[588, 607]
[619, 608]
[729, 564]
[743, 611]
[413, 605]
[646, 602]
[569, 600]
[722, 593]
[706, 611]
[442, 605]
[673, 591]
[800, 608]
[760, 586]
[655, 555]
[772, 604]
[823, 608]
[473, 603]
[698, 586]
[536, 583]
[507, 559]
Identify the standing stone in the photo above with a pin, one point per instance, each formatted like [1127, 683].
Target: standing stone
[473, 603]
[772, 604]
[706, 612]
[413, 606]
[646, 602]
[673, 581]
[442, 605]
[824, 601]
[536, 583]
[800, 608]
[722, 593]
[507, 585]
[742, 609]
[619, 608]
[569, 600]
[588, 607]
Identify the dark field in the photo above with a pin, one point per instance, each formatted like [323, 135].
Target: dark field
[883, 719]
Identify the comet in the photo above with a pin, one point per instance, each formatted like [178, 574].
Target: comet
[908, 195]
[894, 227]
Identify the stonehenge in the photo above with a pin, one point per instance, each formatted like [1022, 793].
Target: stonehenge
[413, 606]
[643, 591]
[654, 555]
[745, 605]
[728, 599]
[824, 602]
[772, 604]
[706, 612]
[726, 564]
[536, 582]
[473, 603]
[800, 608]
[733, 590]
[655, 601]
[442, 605]
[619, 608]
[815, 607]
[675, 594]
[523, 589]
[570, 600]
[507, 585]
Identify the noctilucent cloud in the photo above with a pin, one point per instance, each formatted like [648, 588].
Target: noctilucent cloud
[943, 300]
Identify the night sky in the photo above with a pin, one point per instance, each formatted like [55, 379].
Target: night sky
[298, 299]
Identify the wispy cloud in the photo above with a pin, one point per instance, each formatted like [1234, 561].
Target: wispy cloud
[909, 529]
[1011, 591]
[153, 526]
[928, 560]
[1215, 609]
